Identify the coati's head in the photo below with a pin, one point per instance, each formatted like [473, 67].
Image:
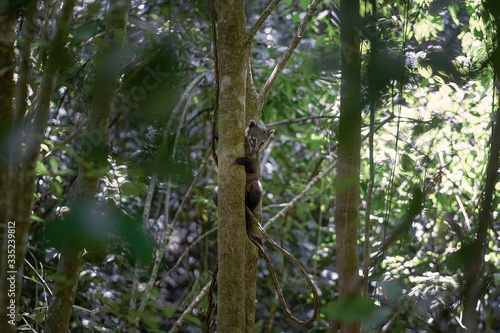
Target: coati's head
[257, 137]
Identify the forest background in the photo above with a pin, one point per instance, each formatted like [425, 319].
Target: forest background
[107, 221]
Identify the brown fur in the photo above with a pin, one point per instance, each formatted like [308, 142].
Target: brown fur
[256, 138]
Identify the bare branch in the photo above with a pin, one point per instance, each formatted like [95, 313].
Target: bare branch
[297, 120]
[216, 79]
[45, 285]
[313, 7]
[263, 17]
[178, 323]
[185, 253]
[301, 195]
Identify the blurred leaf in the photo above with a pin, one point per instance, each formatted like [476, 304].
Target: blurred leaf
[37, 218]
[304, 4]
[350, 310]
[42, 170]
[461, 257]
[130, 189]
[53, 164]
[407, 163]
[96, 227]
[56, 188]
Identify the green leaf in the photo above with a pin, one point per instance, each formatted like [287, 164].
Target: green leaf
[93, 8]
[304, 4]
[42, 170]
[194, 321]
[37, 218]
[53, 164]
[129, 189]
[407, 163]
[425, 71]
[461, 257]
[454, 13]
[168, 311]
[351, 309]
[56, 188]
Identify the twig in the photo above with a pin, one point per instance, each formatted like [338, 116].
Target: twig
[185, 253]
[71, 137]
[260, 21]
[301, 195]
[313, 7]
[296, 263]
[145, 216]
[27, 324]
[211, 305]
[216, 80]
[165, 241]
[297, 120]
[39, 276]
[165, 238]
[178, 323]
[369, 195]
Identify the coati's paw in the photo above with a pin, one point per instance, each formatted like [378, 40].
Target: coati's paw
[243, 161]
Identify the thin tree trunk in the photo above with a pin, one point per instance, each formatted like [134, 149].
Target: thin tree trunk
[474, 269]
[23, 175]
[93, 145]
[25, 61]
[233, 53]
[349, 144]
[7, 36]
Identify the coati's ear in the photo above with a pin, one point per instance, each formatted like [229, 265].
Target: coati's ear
[252, 123]
[271, 132]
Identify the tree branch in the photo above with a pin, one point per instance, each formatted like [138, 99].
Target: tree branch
[185, 253]
[301, 195]
[178, 323]
[313, 7]
[260, 21]
[297, 120]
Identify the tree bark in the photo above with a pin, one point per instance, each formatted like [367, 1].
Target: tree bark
[348, 167]
[93, 149]
[474, 269]
[233, 53]
[23, 174]
[7, 36]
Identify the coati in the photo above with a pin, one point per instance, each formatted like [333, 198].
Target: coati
[256, 138]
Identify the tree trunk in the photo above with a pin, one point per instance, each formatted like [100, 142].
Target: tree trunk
[233, 53]
[474, 269]
[7, 311]
[23, 174]
[349, 143]
[93, 149]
